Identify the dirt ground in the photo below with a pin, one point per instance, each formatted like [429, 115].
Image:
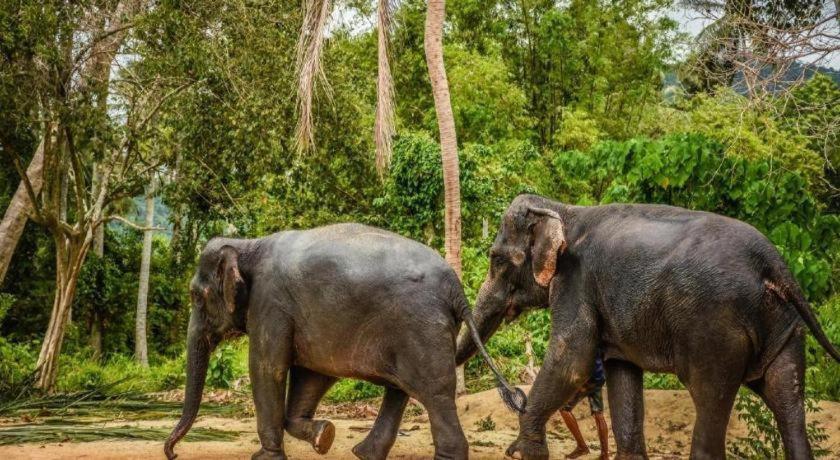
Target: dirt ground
[669, 420]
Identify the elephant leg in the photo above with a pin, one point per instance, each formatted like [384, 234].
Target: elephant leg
[564, 371]
[449, 439]
[381, 438]
[306, 388]
[627, 409]
[713, 380]
[431, 381]
[782, 390]
[269, 364]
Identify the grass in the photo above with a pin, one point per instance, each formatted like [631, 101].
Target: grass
[99, 404]
[70, 431]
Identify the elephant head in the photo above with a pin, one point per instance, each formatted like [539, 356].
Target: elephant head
[523, 260]
[218, 293]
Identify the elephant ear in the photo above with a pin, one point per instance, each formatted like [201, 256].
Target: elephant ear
[548, 241]
[229, 276]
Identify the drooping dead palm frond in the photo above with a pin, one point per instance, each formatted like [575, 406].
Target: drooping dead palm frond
[309, 48]
[384, 125]
[79, 432]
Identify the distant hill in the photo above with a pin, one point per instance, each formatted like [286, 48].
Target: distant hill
[793, 74]
[671, 81]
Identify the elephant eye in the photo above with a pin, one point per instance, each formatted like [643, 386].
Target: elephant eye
[497, 259]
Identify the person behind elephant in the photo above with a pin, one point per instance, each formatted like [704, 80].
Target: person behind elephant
[340, 301]
[593, 391]
[660, 289]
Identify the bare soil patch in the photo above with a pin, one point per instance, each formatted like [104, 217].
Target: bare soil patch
[668, 425]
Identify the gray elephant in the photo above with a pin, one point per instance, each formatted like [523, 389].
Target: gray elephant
[340, 301]
[661, 289]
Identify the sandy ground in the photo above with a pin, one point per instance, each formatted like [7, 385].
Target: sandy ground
[669, 420]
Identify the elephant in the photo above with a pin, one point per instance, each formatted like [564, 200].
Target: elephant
[658, 288]
[341, 301]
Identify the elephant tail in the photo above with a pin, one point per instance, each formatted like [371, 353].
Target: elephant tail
[794, 296]
[514, 398]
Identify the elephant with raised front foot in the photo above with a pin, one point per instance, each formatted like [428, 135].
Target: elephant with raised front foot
[339, 301]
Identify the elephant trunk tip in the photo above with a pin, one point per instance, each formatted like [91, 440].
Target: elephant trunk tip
[169, 447]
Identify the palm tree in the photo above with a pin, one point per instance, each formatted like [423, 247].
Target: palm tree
[433, 44]
[310, 45]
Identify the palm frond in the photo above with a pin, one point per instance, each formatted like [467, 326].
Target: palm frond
[309, 66]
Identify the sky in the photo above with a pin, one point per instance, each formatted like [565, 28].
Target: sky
[692, 22]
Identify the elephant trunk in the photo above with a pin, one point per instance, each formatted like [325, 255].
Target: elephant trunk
[199, 347]
[488, 317]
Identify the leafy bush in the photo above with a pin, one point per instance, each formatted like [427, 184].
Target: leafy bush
[693, 171]
[224, 367]
[412, 200]
[16, 364]
[662, 381]
[353, 390]
[763, 439]
[822, 376]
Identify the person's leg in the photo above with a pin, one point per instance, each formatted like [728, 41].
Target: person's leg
[596, 405]
[572, 425]
[603, 434]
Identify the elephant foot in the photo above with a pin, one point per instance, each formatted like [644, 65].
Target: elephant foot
[324, 436]
[366, 450]
[264, 454]
[522, 449]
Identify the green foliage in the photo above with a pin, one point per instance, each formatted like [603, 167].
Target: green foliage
[412, 199]
[763, 439]
[353, 390]
[578, 131]
[119, 373]
[823, 373]
[223, 369]
[486, 104]
[746, 131]
[693, 171]
[485, 424]
[16, 363]
[662, 381]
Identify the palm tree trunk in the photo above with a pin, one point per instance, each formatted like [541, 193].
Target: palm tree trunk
[141, 350]
[14, 221]
[433, 44]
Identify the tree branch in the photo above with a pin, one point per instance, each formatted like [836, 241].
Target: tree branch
[133, 225]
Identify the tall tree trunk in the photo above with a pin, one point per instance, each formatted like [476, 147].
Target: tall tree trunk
[141, 351]
[14, 221]
[433, 44]
[70, 254]
[95, 337]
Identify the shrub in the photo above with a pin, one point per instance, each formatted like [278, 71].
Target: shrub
[353, 390]
[764, 439]
[224, 367]
[822, 375]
